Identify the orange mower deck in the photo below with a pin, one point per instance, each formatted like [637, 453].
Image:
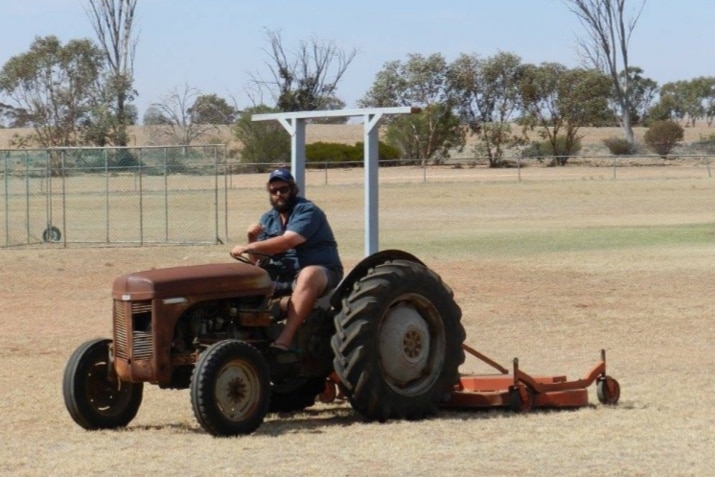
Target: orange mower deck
[518, 391]
[523, 392]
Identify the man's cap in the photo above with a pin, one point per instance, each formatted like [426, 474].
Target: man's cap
[281, 175]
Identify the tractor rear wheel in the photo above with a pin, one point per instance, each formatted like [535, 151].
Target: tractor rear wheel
[94, 396]
[398, 342]
[230, 388]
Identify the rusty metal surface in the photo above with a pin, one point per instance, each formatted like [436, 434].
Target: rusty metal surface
[208, 279]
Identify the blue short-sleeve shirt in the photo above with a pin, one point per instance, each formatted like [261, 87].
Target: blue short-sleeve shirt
[310, 222]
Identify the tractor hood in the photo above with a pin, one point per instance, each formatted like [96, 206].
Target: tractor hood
[209, 279]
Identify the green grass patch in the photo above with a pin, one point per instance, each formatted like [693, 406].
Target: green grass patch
[525, 242]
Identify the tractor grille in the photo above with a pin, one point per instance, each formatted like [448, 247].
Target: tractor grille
[137, 325]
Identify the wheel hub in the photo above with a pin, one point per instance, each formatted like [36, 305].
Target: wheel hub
[236, 390]
[403, 345]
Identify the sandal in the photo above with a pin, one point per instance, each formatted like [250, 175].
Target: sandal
[283, 354]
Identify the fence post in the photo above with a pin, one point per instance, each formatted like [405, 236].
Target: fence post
[64, 198]
[166, 198]
[106, 193]
[518, 168]
[216, 171]
[7, 201]
[709, 172]
[614, 167]
[141, 206]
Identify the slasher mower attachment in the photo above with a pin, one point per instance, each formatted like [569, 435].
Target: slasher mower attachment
[522, 392]
[518, 391]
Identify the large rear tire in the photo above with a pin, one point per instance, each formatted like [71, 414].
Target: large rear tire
[94, 396]
[230, 388]
[398, 342]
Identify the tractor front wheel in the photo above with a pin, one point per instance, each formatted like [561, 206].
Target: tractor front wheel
[94, 396]
[230, 388]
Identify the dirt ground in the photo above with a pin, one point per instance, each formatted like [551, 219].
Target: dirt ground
[550, 271]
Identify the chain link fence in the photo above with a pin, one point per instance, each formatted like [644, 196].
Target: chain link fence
[144, 195]
[180, 194]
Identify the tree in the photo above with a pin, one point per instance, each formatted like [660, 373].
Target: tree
[172, 119]
[262, 141]
[113, 22]
[211, 109]
[488, 97]
[609, 32]
[429, 134]
[642, 92]
[559, 101]
[420, 81]
[55, 86]
[12, 117]
[687, 101]
[307, 79]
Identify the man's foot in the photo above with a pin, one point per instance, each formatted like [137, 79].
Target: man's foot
[284, 354]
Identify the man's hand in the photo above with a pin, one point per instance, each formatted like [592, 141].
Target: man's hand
[254, 230]
[239, 250]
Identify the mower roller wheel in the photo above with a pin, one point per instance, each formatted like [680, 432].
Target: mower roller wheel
[608, 390]
[521, 398]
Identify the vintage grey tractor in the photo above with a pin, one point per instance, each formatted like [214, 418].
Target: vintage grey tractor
[389, 334]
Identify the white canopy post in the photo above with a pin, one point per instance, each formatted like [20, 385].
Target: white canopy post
[294, 123]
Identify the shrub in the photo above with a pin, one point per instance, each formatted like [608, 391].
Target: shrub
[559, 154]
[338, 153]
[620, 146]
[662, 137]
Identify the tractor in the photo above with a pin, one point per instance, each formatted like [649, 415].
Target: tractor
[389, 336]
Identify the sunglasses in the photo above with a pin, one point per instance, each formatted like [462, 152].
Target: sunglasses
[279, 190]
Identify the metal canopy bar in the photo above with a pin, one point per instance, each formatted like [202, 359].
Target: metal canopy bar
[334, 113]
[294, 123]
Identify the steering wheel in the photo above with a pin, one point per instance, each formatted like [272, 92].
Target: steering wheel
[244, 259]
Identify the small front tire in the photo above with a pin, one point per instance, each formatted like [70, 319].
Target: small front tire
[230, 389]
[94, 396]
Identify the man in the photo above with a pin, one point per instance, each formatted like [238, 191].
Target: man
[298, 228]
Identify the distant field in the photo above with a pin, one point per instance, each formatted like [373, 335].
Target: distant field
[550, 269]
[352, 133]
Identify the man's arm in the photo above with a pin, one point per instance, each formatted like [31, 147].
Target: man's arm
[270, 246]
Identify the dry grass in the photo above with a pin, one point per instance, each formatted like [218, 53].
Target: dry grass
[549, 271]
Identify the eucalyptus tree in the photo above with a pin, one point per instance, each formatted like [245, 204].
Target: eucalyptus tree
[609, 27]
[172, 118]
[55, 86]
[212, 109]
[558, 101]
[487, 100]
[306, 78]
[424, 82]
[261, 141]
[688, 100]
[113, 23]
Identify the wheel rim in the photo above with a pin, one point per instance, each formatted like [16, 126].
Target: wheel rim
[238, 390]
[411, 345]
[104, 394]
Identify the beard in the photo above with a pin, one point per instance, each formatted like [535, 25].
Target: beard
[283, 204]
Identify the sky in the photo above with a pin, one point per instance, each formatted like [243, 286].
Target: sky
[216, 46]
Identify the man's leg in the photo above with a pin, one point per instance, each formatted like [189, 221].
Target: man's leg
[309, 285]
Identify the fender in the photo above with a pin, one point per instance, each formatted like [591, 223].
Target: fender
[361, 269]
